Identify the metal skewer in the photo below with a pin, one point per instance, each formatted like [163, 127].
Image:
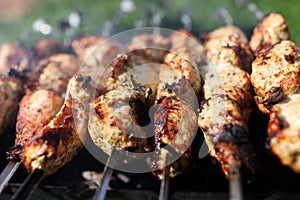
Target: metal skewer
[29, 185]
[100, 193]
[235, 184]
[164, 186]
[7, 173]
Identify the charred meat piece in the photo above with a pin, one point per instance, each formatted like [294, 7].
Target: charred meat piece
[36, 110]
[175, 120]
[187, 46]
[228, 45]
[153, 46]
[44, 119]
[275, 74]
[284, 130]
[95, 51]
[175, 124]
[113, 120]
[11, 91]
[276, 79]
[46, 47]
[14, 60]
[59, 141]
[223, 116]
[57, 72]
[181, 67]
[273, 28]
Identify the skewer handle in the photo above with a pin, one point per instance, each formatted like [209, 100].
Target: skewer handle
[102, 189]
[164, 186]
[107, 173]
[7, 173]
[29, 185]
[235, 184]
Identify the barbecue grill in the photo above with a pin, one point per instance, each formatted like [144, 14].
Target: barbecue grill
[79, 178]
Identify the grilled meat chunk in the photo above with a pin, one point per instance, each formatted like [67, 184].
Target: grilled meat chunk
[45, 48]
[175, 124]
[36, 110]
[42, 117]
[275, 78]
[224, 114]
[275, 74]
[273, 28]
[58, 71]
[175, 120]
[113, 120]
[85, 45]
[228, 45]
[14, 60]
[10, 94]
[152, 46]
[187, 47]
[284, 132]
[59, 141]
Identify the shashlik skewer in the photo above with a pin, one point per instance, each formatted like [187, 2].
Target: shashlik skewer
[178, 92]
[58, 141]
[175, 119]
[14, 60]
[10, 94]
[275, 78]
[185, 73]
[46, 103]
[113, 124]
[224, 115]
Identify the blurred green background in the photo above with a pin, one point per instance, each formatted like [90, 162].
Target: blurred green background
[203, 14]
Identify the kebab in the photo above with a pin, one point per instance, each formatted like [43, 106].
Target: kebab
[275, 78]
[115, 116]
[170, 107]
[177, 97]
[39, 105]
[14, 60]
[224, 114]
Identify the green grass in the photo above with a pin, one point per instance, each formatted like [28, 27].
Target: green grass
[97, 12]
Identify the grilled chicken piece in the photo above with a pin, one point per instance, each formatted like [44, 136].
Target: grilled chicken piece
[95, 51]
[85, 45]
[58, 71]
[174, 128]
[224, 114]
[273, 28]
[152, 46]
[228, 45]
[10, 94]
[175, 120]
[283, 131]
[46, 47]
[42, 101]
[113, 120]
[187, 46]
[278, 95]
[181, 68]
[36, 110]
[59, 141]
[275, 74]
[13, 60]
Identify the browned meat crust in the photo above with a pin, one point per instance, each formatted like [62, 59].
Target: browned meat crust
[36, 110]
[224, 115]
[275, 74]
[11, 91]
[175, 125]
[14, 60]
[228, 45]
[273, 28]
